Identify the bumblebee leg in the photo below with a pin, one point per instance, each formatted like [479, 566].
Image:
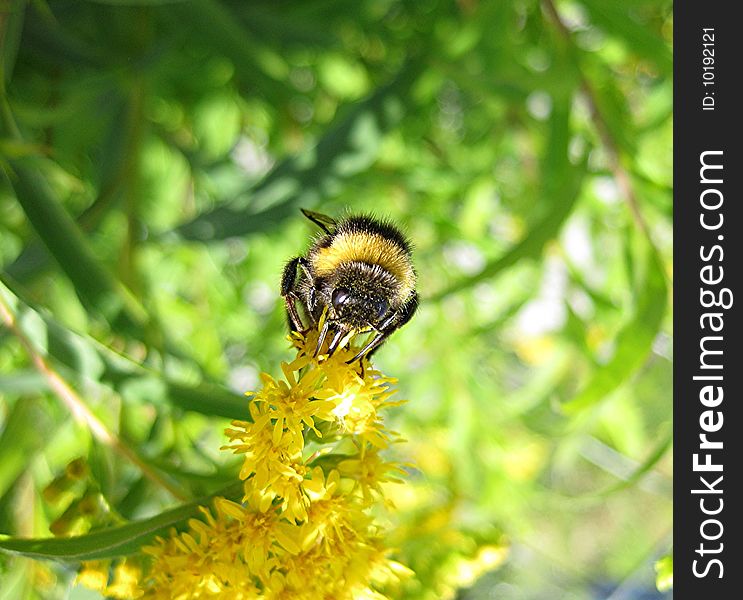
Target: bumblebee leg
[333, 346]
[408, 310]
[288, 281]
[289, 276]
[295, 323]
[322, 336]
[302, 261]
[389, 325]
[372, 345]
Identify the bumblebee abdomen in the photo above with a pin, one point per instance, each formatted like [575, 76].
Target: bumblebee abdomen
[364, 240]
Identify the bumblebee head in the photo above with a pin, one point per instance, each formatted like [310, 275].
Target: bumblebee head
[361, 296]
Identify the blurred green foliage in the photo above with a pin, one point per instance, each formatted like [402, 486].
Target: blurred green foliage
[154, 157]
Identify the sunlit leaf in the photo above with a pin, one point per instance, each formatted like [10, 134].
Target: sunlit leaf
[633, 342]
[114, 541]
[93, 282]
[562, 188]
[664, 573]
[350, 146]
[619, 21]
[26, 431]
[91, 359]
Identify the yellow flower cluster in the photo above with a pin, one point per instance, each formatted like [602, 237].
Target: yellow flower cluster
[312, 472]
[125, 583]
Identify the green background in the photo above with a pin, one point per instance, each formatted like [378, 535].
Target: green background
[154, 157]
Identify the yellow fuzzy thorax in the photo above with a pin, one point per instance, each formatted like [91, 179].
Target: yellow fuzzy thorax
[370, 248]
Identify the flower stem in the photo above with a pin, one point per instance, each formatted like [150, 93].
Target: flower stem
[75, 404]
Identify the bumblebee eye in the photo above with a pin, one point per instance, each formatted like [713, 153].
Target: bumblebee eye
[340, 295]
[381, 306]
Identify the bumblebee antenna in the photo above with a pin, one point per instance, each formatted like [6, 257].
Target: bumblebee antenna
[324, 222]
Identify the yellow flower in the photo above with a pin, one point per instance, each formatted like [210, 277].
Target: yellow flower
[211, 557]
[93, 575]
[303, 528]
[332, 519]
[126, 581]
[291, 403]
[369, 470]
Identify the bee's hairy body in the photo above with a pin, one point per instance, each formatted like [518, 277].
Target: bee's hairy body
[359, 273]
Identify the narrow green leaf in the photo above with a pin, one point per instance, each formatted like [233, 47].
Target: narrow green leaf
[347, 149]
[26, 431]
[219, 28]
[562, 184]
[611, 103]
[617, 20]
[647, 465]
[92, 360]
[15, 148]
[286, 28]
[11, 25]
[136, 2]
[115, 541]
[22, 381]
[634, 341]
[208, 399]
[46, 39]
[97, 288]
[117, 158]
[16, 584]
[31, 261]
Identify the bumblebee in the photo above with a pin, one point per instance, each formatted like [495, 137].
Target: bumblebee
[358, 273]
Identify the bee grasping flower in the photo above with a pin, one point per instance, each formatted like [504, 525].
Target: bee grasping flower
[312, 468]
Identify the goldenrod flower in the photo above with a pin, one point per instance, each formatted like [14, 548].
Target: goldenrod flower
[93, 575]
[369, 470]
[303, 528]
[127, 575]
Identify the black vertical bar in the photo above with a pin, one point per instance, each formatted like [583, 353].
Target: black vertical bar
[707, 255]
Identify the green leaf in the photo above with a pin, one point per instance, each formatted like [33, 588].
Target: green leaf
[634, 341]
[208, 399]
[26, 431]
[17, 583]
[11, 26]
[136, 2]
[52, 43]
[22, 381]
[95, 285]
[218, 27]
[611, 103]
[118, 156]
[300, 181]
[94, 361]
[653, 459]
[284, 28]
[615, 19]
[562, 185]
[655, 456]
[115, 541]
